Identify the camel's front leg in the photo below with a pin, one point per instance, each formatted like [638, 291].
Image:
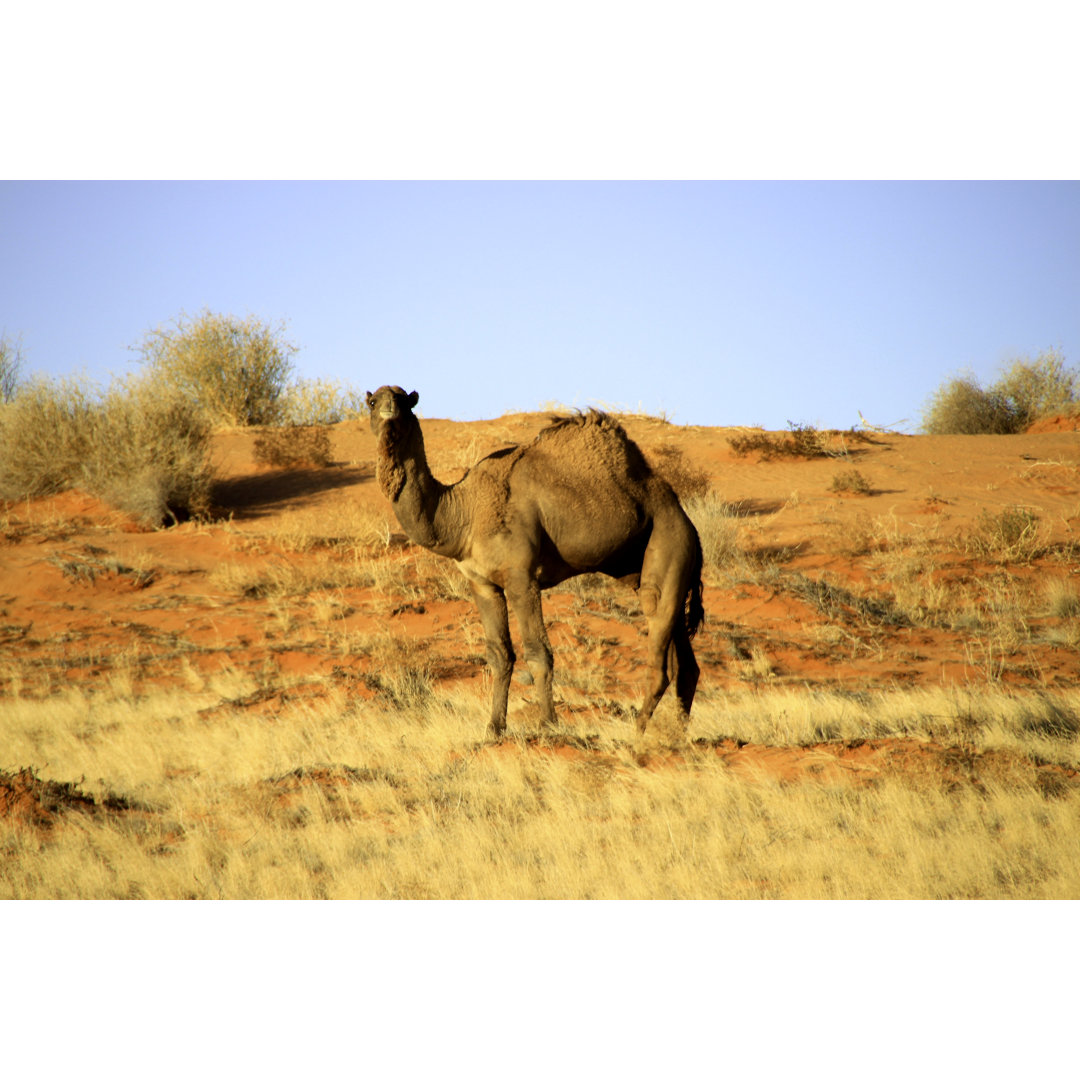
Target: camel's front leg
[491, 601]
[524, 595]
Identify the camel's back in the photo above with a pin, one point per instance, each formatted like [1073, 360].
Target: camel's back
[588, 485]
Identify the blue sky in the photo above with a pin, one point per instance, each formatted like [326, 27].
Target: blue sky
[718, 302]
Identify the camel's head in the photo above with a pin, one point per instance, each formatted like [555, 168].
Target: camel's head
[390, 405]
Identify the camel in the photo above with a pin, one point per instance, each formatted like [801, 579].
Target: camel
[579, 499]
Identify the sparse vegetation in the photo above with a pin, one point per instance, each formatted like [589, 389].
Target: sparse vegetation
[800, 441]
[288, 702]
[1025, 390]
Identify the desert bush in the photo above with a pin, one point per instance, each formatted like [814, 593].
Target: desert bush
[45, 436]
[1025, 390]
[235, 370]
[10, 367]
[1039, 387]
[139, 448]
[962, 407]
[293, 447]
[307, 402]
[852, 481]
[1013, 535]
[150, 453]
[687, 481]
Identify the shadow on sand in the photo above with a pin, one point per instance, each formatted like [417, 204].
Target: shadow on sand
[251, 497]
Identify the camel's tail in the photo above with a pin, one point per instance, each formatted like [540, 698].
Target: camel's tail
[695, 609]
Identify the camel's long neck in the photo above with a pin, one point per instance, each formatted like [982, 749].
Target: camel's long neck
[425, 508]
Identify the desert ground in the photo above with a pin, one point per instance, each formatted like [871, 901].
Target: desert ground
[288, 699]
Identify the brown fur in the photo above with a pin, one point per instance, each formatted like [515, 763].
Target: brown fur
[580, 498]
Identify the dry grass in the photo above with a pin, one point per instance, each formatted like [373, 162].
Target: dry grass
[716, 522]
[1062, 598]
[282, 576]
[396, 799]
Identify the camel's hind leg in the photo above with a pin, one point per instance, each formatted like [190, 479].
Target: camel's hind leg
[665, 584]
[491, 602]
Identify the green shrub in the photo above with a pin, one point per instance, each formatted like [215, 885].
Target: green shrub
[139, 447]
[1025, 390]
[235, 370]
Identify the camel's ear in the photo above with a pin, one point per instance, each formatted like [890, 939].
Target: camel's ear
[370, 398]
[414, 397]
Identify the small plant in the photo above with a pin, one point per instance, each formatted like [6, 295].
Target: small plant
[807, 441]
[1010, 536]
[294, 447]
[852, 482]
[235, 370]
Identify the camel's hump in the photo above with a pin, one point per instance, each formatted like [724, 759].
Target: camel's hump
[590, 418]
[593, 444]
